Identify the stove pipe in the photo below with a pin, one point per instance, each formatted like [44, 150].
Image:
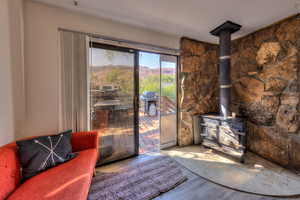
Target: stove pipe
[224, 32]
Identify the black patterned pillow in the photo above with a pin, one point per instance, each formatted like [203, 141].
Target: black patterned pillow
[41, 153]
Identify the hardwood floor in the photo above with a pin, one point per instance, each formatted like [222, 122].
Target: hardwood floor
[195, 187]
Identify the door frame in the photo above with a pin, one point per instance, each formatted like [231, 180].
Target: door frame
[136, 89]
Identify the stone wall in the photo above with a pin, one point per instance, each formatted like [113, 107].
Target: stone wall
[198, 84]
[265, 74]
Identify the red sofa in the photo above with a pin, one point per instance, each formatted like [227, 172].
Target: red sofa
[70, 180]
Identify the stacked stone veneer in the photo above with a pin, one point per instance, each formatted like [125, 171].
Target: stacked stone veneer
[266, 85]
[198, 84]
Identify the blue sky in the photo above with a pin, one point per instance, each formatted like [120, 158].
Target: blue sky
[149, 59]
[102, 57]
[152, 60]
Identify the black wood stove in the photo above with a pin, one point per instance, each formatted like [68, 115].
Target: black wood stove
[227, 135]
[224, 132]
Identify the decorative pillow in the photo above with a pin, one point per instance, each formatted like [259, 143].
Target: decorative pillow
[41, 153]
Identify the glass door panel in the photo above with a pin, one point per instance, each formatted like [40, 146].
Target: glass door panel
[112, 101]
[168, 102]
[149, 76]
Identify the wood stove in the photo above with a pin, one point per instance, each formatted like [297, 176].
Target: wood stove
[227, 135]
[224, 132]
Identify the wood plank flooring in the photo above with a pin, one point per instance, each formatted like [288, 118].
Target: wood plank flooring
[195, 187]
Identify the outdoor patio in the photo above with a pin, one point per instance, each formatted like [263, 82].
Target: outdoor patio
[149, 134]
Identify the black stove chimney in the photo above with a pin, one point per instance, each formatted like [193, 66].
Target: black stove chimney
[224, 32]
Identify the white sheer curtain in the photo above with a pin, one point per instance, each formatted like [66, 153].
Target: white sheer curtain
[73, 106]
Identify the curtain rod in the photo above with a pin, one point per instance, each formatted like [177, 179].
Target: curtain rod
[145, 46]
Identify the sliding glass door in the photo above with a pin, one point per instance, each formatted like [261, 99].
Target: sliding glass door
[168, 101]
[113, 101]
[158, 101]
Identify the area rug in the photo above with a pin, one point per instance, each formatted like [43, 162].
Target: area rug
[257, 175]
[139, 181]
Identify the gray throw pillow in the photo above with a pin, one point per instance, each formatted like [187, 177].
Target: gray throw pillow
[41, 153]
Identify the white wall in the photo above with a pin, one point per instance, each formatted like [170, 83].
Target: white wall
[12, 87]
[6, 86]
[42, 59]
[16, 22]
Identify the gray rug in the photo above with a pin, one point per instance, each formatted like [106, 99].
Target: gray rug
[139, 181]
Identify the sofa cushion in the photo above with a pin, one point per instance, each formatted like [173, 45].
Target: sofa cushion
[41, 153]
[70, 180]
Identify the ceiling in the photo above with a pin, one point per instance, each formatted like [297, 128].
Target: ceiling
[191, 18]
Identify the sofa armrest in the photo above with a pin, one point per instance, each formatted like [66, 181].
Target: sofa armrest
[10, 174]
[84, 140]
